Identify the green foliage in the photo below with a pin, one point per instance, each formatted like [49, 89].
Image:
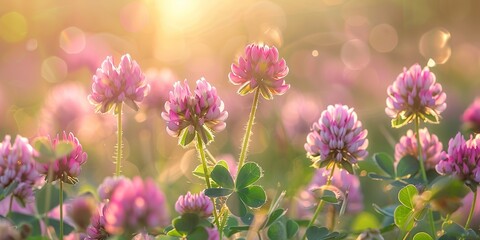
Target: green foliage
[41, 198]
[385, 162]
[454, 231]
[322, 233]
[241, 193]
[407, 166]
[6, 191]
[422, 236]
[402, 120]
[189, 226]
[186, 137]
[406, 213]
[365, 220]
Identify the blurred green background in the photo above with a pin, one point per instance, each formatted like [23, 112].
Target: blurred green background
[338, 51]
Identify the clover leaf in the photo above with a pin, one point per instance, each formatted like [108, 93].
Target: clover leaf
[242, 192]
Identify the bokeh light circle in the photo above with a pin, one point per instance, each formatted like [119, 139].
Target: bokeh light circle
[355, 54]
[383, 38]
[54, 69]
[72, 40]
[434, 44]
[13, 27]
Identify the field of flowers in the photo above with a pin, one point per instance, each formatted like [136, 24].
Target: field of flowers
[191, 119]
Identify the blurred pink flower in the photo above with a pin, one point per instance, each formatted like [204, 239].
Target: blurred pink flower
[115, 85]
[213, 233]
[63, 110]
[201, 112]
[67, 168]
[431, 148]
[194, 203]
[17, 164]
[415, 93]
[160, 82]
[107, 187]
[337, 138]
[260, 68]
[135, 205]
[297, 120]
[80, 210]
[96, 230]
[462, 159]
[348, 184]
[471, 116]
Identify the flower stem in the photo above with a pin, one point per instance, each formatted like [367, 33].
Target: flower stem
[10, 205]
[201, 152]
[61, 210]
[424, 173]
[419, 148]
[248, 131]
[472, 210]
[320, 204]
[119, 141]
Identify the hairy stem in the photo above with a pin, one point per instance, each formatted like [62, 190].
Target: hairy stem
[201, 152]
[424, 173]
[49, 193]
[320, 204]
[472, 209]
[61, 210]
[248, 130]
[118, 163]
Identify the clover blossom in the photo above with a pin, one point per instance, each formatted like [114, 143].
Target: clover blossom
[337, 138]
[201, 112]
[194, 203]
[471, 116]
[113, 85]
[135, 205]
[67, 168]
[462, 160]
[96, 230]
[415, 93]
[431, 147]
[260, 67]
[17, 164]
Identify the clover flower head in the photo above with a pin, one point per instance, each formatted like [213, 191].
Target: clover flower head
[431, 148]
[81, 209]
[135, 205]
[415, 93]
[260, 67]
[113, 85]
[471, 116]
[462, 160]
[337, 138]
[17, 164]
[67, 168]
[107, 187]
[188, 113]
[96, 230]
[62, 109]
[194, 203]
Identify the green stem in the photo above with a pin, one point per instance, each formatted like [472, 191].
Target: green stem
[472, 209]
[248, 131]
[419, 149]
[320, 204]
[10, 205]
[222, 224]
[201, 152]
[61, 210]
[212, 158]
[119, 141]
[424, 173]
[49, 193]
